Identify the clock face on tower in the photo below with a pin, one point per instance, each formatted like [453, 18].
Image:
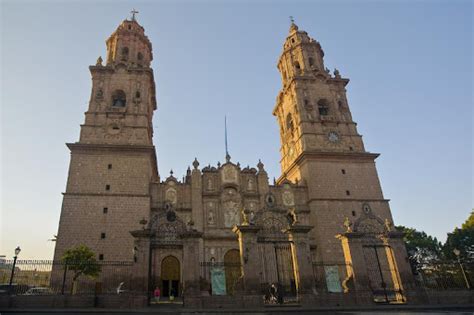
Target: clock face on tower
[333, 136]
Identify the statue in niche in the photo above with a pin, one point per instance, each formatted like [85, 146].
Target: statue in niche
[291, 216]
[252, 218]
[231, 214]
[250, 184]
[388, 225]
[245, 219]
[210, 184]
[348, 225]
[210, 218]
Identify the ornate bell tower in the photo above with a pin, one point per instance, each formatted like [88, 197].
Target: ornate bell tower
[123, 91]
[322, 150]
[114, 161]
[312, 108]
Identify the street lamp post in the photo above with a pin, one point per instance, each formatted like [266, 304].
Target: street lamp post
[17, 252]
[457, 252]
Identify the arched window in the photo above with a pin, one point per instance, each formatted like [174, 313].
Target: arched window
[137, 94]
[297, 65]
[311, 61]
[119, 99]
[323, 106]
[289, 123]
[140, 56]
[124, 53]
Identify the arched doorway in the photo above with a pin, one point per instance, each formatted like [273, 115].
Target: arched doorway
[232, 269]
[170, 276]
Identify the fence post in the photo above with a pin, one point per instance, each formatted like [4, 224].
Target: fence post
[64, 278]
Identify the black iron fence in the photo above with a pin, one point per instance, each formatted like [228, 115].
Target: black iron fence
[445, 276]
[436, 276]
[332, 277]
[220, 278]
[43, 277]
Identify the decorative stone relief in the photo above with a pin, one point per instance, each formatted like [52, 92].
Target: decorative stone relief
[231, 202]
[251, 184]
[171, 195]
[287, 196]
[229, 174]
[231, 213]
[270, 200]
[210, 214]
[210, 184]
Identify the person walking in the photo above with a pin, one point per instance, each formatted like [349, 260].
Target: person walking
[157, 294]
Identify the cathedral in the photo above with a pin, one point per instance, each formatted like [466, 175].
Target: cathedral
[322, 231]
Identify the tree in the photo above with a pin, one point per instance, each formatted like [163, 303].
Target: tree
[461, 239]
[81, 260]
[422, 248]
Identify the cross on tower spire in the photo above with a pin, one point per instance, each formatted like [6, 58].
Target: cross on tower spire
[133, 14]
[292, 19]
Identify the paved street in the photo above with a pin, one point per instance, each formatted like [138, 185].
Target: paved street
[168, 311]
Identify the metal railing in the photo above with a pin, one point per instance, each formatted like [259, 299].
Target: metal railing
[43, 277]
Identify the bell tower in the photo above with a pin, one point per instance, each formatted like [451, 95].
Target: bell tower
[320, 145]
[311, 108]
[123, 91]
[114, 161]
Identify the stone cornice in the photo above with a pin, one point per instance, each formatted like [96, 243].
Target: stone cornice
[111, 68]
[74, 147]
[143, 233]
[191, 234]
[246, 228]
[133, 149]
[330, 156]
[347, 199]
[105, 194]
[299, 229]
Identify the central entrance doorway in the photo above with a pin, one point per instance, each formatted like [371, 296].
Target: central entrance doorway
[170, 276]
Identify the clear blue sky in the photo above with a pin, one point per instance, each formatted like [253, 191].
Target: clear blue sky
[410, 65]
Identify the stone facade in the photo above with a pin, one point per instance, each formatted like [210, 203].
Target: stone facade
[327, 208]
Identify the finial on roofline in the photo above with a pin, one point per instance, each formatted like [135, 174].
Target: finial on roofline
[133, 14]
[293, 26]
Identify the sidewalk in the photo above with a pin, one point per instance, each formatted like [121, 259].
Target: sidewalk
[177, 309]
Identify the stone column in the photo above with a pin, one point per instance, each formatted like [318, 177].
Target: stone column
[395, 240]
[298, 236]
[141, 265]
[196, 198]
[191, 268]
[352, 246]
[249, 258]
